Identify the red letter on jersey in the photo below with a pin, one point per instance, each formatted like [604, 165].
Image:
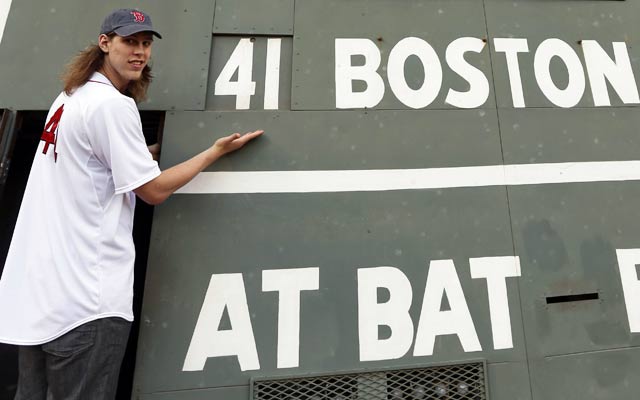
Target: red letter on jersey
[49, 135]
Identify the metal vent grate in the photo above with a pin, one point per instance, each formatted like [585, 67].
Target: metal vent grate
[452, 382]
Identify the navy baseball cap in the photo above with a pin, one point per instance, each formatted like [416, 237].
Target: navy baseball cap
[127, 21]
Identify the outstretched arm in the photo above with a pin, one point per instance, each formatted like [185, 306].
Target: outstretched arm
[157, 190]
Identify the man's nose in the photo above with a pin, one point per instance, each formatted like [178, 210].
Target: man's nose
[139, 49]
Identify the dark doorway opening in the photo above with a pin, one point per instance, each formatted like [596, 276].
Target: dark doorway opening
[27, 132]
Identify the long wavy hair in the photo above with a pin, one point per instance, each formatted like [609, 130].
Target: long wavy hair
[90, 60]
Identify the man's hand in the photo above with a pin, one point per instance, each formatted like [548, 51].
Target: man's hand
[158, 189]
[234, 142]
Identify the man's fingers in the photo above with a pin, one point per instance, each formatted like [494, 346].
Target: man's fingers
[248, 136]
[236, 140]
[251, 135]
[228, 139]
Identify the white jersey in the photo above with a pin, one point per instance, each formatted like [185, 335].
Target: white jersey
[72, 255]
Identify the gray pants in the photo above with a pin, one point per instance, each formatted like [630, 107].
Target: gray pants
[82, 364]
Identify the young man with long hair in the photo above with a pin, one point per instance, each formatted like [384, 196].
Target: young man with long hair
[67, 287]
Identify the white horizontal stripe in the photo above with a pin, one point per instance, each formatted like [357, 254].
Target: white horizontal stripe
[403, 179]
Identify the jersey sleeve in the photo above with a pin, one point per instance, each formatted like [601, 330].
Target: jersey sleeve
[115, 133]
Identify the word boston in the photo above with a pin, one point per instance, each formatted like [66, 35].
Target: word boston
[600, 68]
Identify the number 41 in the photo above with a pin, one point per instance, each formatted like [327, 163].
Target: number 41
[241, 60]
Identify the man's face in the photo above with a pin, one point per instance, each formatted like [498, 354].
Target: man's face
[125, 57]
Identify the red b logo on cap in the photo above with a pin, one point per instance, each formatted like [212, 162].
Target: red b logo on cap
[138, 16]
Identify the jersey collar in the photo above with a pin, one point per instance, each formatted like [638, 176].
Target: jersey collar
[97, 77]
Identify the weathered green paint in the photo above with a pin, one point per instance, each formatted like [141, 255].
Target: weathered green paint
[594, 375]
[509, 381]
[265, 17]
[341, 140]
[556, 135]
[566, 236]
[226, 393]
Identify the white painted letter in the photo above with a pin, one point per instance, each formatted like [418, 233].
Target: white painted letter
[5, 6]
[394, 313]
[442, 280]
[511, 48]
[432, 72]
[289, 283]
[272, 74]
[496, 270]
[225, 290]
[478, 91]
[346, 73]
[618, 72]
[571, 95]
[242, 60]
[627, 261]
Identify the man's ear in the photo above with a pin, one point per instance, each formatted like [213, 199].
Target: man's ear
[103, 41]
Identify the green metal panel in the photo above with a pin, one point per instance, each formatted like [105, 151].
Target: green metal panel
[319, 23]
[223, 47]
[609, 374]
[556, 135]
[267, 232]
[336, 232]
[43, 37]
[227, 393]
[567, 236]
[340, 140]
[604, 21]
[509, 381]
[264, 17]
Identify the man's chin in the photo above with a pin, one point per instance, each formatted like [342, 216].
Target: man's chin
[135, 76]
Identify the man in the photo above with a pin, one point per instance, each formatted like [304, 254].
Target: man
[66, 290]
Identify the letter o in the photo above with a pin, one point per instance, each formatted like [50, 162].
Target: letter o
[571, 95]
[423, 96]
